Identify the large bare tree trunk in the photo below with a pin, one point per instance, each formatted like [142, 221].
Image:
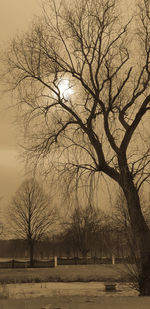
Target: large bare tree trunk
[140, 233]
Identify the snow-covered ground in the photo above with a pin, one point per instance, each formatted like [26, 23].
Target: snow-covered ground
[77, 302]
[32, 290]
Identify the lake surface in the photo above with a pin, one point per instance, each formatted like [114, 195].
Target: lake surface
[29, 290]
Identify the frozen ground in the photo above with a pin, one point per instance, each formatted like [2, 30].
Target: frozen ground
[74, 295]
[32, 290]
[78, 302]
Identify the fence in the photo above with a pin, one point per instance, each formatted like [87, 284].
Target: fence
[52, 262]
[13, 263]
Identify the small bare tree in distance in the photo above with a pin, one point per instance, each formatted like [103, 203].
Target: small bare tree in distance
[31, 214]
[101, 128]
[82, 228]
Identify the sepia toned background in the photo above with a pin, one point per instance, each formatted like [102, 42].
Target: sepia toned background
[15, 17]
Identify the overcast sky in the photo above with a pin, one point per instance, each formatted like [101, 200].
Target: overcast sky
[15, 16]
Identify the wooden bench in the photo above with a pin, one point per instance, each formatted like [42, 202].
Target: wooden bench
[110, 287]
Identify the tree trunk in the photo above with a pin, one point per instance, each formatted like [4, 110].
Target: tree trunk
[140, 234]
[144, 277]
[31, 250]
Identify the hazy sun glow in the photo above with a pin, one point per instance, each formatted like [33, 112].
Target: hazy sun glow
[65, 89]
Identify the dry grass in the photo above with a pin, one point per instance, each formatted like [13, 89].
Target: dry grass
[71, 273]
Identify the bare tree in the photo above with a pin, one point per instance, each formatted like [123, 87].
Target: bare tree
[31, 215]
[82, 228]
[101, 128]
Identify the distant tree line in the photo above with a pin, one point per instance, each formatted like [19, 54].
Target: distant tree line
[85, 232]
[106, 244]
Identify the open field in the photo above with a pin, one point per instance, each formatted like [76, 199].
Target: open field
[75, 302]
[85, 273]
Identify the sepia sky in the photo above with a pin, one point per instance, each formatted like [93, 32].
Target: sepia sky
[15, 16]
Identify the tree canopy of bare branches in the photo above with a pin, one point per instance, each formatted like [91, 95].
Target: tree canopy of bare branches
[101, 127]
[82, 228]
[31, 215]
